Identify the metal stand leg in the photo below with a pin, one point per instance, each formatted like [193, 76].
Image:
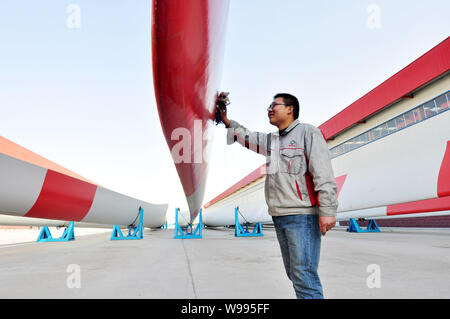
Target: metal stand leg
[45, 235]
[189, 233]
[242, 231]
[134, 232]
[353, 227]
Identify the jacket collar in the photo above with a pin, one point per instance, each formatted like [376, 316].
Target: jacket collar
[289, 128]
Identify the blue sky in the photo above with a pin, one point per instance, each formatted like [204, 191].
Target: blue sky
[84, 97]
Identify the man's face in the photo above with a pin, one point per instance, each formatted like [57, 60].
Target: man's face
[279, 113]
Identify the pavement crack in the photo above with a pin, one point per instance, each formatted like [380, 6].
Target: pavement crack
[189, 268]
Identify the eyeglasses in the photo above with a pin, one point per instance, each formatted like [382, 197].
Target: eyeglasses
[273, 104]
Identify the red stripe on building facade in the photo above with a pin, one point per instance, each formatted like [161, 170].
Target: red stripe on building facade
[443, 184]
[423, 206]
[340, 182]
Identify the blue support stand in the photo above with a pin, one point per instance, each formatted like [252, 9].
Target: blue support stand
[242, 231]
[45, 235]
[134, 232]
[372, 227]
[189, 233]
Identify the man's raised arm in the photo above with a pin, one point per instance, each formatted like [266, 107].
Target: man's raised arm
[255, 141]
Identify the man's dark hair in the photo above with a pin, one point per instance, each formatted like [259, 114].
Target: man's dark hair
[290, 100]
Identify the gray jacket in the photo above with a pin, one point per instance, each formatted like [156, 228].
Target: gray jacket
[299, 177]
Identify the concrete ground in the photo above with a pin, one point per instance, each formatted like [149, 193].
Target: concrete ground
[406, 263]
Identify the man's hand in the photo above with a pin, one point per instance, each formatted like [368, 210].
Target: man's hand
[326, 223]
[222, 102]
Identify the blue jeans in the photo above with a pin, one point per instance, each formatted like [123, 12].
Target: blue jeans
[299, 238]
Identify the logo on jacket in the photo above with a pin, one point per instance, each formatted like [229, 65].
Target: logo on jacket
[292, 143]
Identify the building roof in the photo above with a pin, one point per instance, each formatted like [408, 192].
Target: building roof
[422, 71]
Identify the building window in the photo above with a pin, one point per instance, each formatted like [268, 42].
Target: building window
[419, 114]
[430, 109]
[442, 103]
[346, 147]
[377, 132]
[411, 117]
[392, 127]
[400, 122]
[364, 138]
[384, 130]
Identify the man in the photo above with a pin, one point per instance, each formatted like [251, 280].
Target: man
[300, 189]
